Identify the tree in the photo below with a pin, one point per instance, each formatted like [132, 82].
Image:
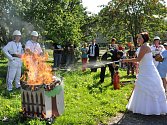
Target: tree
[121, 18]
[59, 21]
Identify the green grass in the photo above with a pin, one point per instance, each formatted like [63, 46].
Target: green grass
[87, 102]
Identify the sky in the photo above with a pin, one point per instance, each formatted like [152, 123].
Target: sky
[92, 5]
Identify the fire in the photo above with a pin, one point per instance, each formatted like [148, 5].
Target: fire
[37, 70]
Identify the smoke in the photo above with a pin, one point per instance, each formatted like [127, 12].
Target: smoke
[102, 64]
[10, 21]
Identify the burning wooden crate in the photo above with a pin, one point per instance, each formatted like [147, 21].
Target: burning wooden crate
[43, 101]
[42, 93]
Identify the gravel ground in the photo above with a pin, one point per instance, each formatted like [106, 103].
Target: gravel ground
[136, 119]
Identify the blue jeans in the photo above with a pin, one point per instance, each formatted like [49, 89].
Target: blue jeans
[57, 60]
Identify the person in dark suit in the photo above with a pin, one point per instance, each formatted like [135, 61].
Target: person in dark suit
[93, 54]
[110, 56]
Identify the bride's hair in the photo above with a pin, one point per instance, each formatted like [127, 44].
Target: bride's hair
[145, 36]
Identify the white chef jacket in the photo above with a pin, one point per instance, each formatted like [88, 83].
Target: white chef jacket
[13, 48]
[33, 46]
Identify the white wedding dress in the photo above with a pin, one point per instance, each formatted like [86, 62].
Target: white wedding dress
[148, 96]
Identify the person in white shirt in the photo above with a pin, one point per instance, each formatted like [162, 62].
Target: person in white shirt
[156, 48]
[32, 46]
[13, 51]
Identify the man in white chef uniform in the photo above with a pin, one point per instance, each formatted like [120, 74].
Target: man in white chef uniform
[32, 45]
[13, 51]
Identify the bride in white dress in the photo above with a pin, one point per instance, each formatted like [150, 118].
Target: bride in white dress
[148, 97]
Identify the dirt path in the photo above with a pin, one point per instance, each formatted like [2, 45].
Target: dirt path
[136, 119]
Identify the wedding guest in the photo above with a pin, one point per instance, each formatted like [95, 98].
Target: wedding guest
[93, 54]
[84, 56]
[162, 66]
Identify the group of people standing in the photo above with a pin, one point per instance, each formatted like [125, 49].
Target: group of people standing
[148, 96]
[112, 54]
[63, 55]
[13, 51]
[92, 53]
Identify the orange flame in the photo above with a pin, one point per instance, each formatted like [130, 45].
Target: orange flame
[37, 70]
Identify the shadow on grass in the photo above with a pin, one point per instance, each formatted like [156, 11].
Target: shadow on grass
[3, 71]
[96, 87]
[9, 95]
[97, 75]
[128, 77]
[2, 61]
[86, 72]
[101, 87]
